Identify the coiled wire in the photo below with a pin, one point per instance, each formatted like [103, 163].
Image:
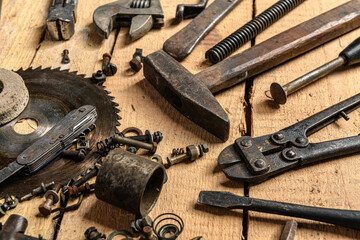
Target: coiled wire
[140, 4]
[250, 30]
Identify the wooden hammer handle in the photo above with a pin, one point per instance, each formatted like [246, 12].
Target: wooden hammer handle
[282, 47]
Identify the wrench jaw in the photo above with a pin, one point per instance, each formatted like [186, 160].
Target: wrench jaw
[61, 21]
[125, 13]
[186, 93]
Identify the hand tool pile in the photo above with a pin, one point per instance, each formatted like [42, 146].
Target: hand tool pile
[77, 136]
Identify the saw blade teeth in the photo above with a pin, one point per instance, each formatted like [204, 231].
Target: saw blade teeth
[118, 123]
[116, 110]
[117, 131]
[115, 104]
[82, 75]
[118, 117]
[111, 97]
[37, 68]
[107, 92]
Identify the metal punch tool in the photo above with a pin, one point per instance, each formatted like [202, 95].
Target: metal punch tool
[140, 15]
[257, 159]
[61, 19]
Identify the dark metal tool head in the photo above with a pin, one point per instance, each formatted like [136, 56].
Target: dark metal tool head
[223, 199]
[186, 93]
[186, 11]
[140, 15]
[62, 18]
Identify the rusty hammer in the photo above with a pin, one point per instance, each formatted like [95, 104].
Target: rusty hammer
[192, 95]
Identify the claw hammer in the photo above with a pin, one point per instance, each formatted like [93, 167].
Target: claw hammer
[192, 95]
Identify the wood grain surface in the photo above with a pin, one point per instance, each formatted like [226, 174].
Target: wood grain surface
[25, 43]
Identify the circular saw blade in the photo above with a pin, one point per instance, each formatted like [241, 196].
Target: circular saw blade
[53, 94]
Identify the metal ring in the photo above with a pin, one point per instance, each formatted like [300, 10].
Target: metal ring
[168, 227]
[121, 232]
[132, 129]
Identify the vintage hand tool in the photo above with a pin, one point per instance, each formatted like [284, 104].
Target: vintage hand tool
[181, 44]
[140, 15]
[250, 30]
[349, 56]
[186, 11]
[192, 94]
[257, 159]
[62, 18]
[57, 139]
[340, 217]
[14, 229]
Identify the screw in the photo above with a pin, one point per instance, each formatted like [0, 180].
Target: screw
[75, 191]
[77, 156]
[93, 234]
[37, 191]
[192, 153]
[246, 143]
[108, 68]
[279, 136]
[99, 77]
[65, 59]
[136, 62]
[51, 197]
[149, 137]
[290, 153]
[131, 142]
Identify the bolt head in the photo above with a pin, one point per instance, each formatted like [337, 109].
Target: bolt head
[204, 148]
[109, 69]
[279, 136]
[135, 64]
[246, 143]
[291, 153]
[45, 209]
[107, 55]
[259, 163]
[300, 140]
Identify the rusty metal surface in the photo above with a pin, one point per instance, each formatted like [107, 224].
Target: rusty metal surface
[130, 182]
[257, 159]
[14, 229]
[282, 47]
[190, 94]
[186, 93]
[47, 106]
[181, 44]
[121, 14]
[340, 217]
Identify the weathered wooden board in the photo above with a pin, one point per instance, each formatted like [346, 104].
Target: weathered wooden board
[332, 184]
[141, 106]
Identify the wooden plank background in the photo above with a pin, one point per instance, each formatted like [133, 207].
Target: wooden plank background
[24, 43]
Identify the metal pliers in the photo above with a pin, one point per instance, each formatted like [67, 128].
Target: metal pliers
[257, 159]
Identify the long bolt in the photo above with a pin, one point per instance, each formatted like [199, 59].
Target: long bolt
[349, 56]
[52, 197]
[37, 191]
[250, 30]
[131, 142]
[157, 137]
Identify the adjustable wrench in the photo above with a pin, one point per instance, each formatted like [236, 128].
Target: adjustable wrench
[62, 18]
[140, 15]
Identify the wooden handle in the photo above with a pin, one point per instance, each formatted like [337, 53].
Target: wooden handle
[282, 47]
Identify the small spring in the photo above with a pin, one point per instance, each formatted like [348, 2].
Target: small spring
[250, 30]
[104, 147]
[140, 4]
[177, 151]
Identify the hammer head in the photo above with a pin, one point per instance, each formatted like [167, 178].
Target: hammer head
[188, 94]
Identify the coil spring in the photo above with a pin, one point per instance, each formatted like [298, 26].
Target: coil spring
[250, 30]
[140, 4]
[104, 147]
[177, 151]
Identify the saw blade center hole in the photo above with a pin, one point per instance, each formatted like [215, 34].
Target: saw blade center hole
[26, 126]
